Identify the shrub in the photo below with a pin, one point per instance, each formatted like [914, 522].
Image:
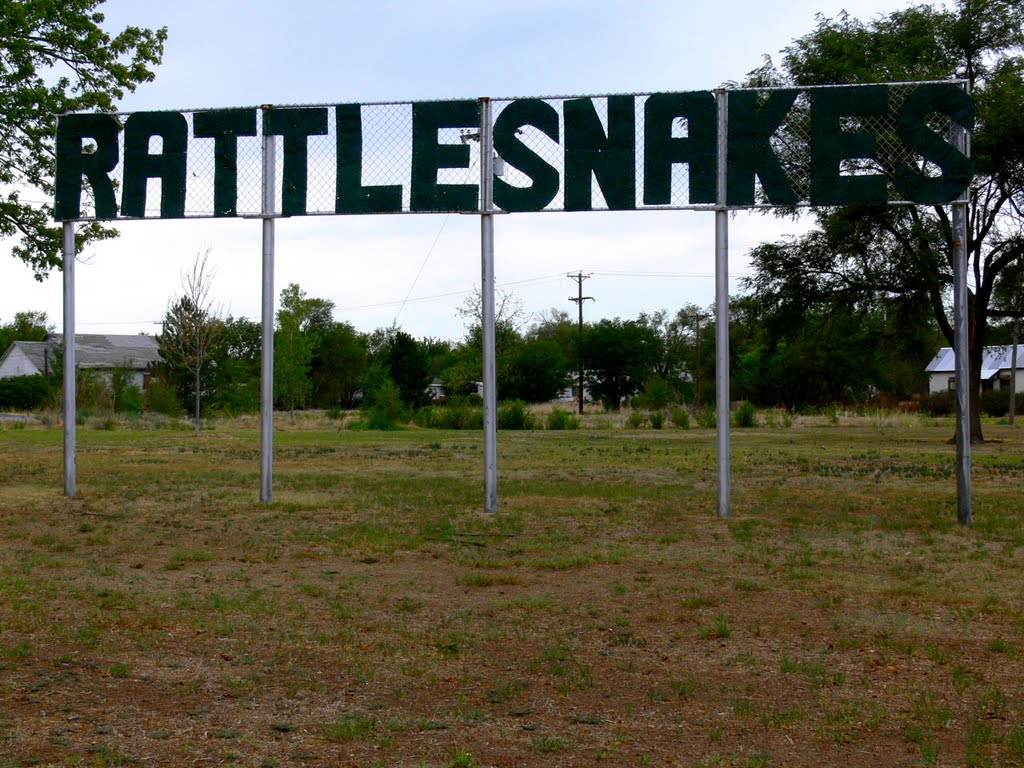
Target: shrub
[635, 420]
[706, 418]
[459, 416]
[24, 393]
[996, 402]
[657, 419]
[746, 415]
[513, 414]
[680, 417]
[559, 419]
[163, 398]
[335, 413]
[939, 404]
[385, 406]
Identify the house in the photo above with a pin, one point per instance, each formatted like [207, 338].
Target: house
[93, 351]
[996, 368]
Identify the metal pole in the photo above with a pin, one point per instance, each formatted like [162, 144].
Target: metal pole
[961, 353]
[70, 411]
[487, 319]
[267, 355]
[722, 313]
[1013, 373]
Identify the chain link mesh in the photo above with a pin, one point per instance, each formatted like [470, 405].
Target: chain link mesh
[387, 148]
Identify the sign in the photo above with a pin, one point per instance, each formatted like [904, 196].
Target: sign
[836, 145]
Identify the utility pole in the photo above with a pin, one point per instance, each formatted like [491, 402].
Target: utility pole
[579, 277]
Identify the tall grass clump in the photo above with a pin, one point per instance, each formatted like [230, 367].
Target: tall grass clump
[706, 417]
[559, 419]
[746, 415]
[513, 414]
[680, 417]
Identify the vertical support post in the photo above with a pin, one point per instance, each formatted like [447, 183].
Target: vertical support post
[961, 352]
[962, 367]
[487, 315]
[267, 352]
[1013, 372]
[722, 313]
[70, 394]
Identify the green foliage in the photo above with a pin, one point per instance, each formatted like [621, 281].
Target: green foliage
[559, 419]
[37, 40]
[619, 357]
[996, 402]
[745, 416]
[636, 419]
[680, 417]
[24, 393]
[513, 414]
[26, 326]
[706, 418]
[408, 367]
[539, 371]
[939, 404]
[657, 419]
[385, 408]
[163, 398]
[336, 369]
[657, 394]
[126, 397]
[458, 415]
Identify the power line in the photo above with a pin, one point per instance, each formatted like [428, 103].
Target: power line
[422, 266]
[578, 300]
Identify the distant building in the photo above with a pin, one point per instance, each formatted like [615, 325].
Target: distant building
[996, 369]
[93, 351]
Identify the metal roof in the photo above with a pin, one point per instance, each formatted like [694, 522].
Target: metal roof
[95, 350]
[994, 360]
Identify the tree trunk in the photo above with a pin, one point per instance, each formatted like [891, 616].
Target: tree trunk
[197, 400]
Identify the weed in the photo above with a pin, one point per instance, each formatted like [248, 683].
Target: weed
[718, 629]
[544, 744]
[351, 726]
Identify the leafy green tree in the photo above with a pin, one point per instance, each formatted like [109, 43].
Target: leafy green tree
[537, 373]
[191, 328]
[55, 57]
[30, 325]
[621, 356]
[884, 252]
[337, 366]
[236, 366]
[409, 368]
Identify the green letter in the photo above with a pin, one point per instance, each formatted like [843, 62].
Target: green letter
[350, 194]
[957, 169]
[224, 126]
[750, 152]
[168, 165]
[611, 158]
[698, 150]
[507, 144]
[428, 156]
[73, 163]
[831, 145]
[295, 125]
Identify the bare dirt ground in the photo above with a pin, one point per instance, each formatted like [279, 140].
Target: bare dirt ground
[374, 616]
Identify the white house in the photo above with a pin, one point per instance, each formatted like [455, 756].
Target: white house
[996, 369]
[99, 352]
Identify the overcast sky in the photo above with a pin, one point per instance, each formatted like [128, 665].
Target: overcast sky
[223, 53]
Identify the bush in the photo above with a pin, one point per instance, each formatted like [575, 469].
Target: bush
[706, 418]
[657, 419]
[939, 404]
[636, 420]
[460, 416]
[681, 417]
[996, 402]
[24, 393]
[559, 419]
[163, 398]
[385, 407]
[746, 415]
[513, 414]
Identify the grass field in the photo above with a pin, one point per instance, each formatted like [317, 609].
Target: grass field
[373, 615]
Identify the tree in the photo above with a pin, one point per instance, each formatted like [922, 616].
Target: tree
[191, 328]
[236, 360]
[337, 366]
[56, 58]
[1008, 297]
[538, 372]
[30, 325]
[294, 341]
[621, 356]
[874, 253]
[409, 368]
